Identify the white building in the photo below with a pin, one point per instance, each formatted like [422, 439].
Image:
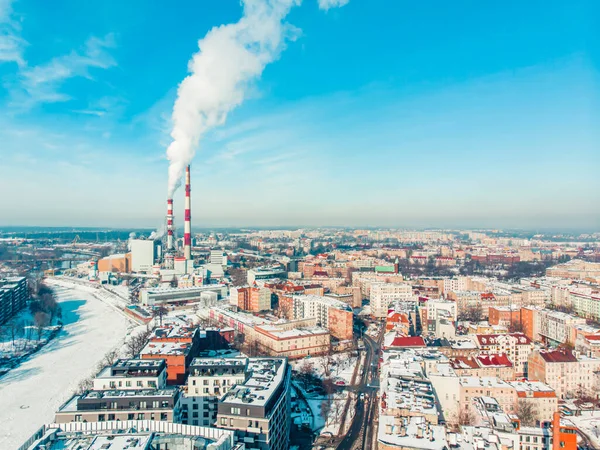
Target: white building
[218, 257]
[143, 254]
[132, 374]
[382, 294]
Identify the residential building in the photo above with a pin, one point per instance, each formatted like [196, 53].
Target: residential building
[132, 374]
[566, 373]
[259, 409]
[13, 296]
[383, 294]
[472, 387]
[516, 346]
[541, 396]
[122, 405]
[334, 315]
[251, 298]
[209, 379]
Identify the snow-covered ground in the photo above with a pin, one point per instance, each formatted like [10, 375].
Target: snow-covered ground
[28, 338]
[341, 369]
[32, 392]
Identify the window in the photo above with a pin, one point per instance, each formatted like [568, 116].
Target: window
[140, 383]
[128, 383]
[101, 417]
[223, 420]
[195, 406]
[131, 416]
[143, 404]
[155, 404]
[163, 416]
[111, 417]
[235, 410]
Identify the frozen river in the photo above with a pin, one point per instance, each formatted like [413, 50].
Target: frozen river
[31, 393]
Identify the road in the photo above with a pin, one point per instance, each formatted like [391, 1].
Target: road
[360, 433]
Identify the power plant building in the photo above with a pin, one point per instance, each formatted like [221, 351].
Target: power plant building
[143, 254]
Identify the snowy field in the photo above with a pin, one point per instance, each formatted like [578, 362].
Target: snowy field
[32, 392]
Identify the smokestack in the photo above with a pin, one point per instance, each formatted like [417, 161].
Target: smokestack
[169, 224]
[187, 225]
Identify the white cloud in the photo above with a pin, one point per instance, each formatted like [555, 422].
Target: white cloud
[41, 84]
[328, 4]
[11, 44]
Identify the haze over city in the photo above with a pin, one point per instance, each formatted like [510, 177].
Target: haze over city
[370, 113]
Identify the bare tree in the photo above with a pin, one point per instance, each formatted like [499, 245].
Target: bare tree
[527, 412]
[306, 374]
[136, 343]
[108, 360]
[159, 312]
[85, 385]
[466, 417]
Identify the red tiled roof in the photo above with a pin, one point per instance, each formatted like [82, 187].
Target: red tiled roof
[464, 362]
[408, 341]
[593, 337]
[558, 356]
[495, 359]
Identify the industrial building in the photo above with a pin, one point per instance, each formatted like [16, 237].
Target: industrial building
[204, 294]
[143, 254]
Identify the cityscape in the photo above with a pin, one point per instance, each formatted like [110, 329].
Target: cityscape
[344, 227]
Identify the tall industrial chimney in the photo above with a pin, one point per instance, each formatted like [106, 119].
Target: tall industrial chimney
[187, 225]
[169, 224]
[168, 254]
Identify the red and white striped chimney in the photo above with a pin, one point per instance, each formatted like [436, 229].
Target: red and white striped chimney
[187, 225]
[170, 224]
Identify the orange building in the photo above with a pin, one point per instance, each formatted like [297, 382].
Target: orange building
[253, 299]
[528, 314]
[564, 436]
[178, 345]
[341, 323]
[504, 315]
[115, 263]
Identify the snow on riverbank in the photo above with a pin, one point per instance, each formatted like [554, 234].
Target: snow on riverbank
[31, 393]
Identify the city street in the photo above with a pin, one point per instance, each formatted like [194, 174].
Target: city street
[362, 427]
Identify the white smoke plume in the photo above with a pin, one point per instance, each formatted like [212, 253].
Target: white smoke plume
[327, 4]
[230, 58]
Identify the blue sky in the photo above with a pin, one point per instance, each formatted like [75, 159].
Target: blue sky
[380, 112]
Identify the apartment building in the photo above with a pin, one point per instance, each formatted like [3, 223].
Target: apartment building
[132, 374]
[334, 315]
[575, 269]
[439, 318]
[473, 387]
[516, 346]
[555, 326]
[209, 379]
[294, 339]
[568, 374]
[251, 298]
[259, 409]
[484, 365]
[13, 296]
[540, 395]
[383, 294]
[121, 405]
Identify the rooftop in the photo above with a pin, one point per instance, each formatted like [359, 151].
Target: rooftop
[265, 376]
